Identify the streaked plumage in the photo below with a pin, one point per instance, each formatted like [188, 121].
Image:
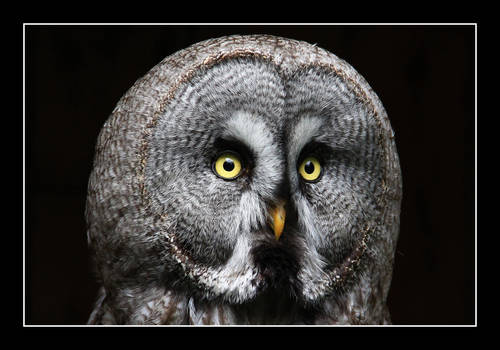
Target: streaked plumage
[177, 243]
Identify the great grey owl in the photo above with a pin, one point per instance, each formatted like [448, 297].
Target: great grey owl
[245, 180]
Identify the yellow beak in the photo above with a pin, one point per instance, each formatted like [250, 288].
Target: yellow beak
[278, 215]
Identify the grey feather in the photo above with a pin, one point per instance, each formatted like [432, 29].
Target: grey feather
[175, 244]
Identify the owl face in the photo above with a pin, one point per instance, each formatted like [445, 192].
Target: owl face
[238, 143]
[263, 164]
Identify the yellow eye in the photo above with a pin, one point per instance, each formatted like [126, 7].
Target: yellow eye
[227, 166]
[310, 169]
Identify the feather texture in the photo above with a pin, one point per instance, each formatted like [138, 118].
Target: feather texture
[175, 244]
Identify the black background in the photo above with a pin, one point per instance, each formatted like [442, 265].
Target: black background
[424, 75]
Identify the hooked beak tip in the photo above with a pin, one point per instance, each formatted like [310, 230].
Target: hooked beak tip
[278, 215]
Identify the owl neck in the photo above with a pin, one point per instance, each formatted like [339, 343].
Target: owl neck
[363, 304]
[275, 309]
[268, 308]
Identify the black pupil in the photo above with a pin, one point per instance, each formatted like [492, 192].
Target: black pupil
[309, 167]
[228, 164]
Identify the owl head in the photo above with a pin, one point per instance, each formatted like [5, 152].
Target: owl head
[243, 166]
